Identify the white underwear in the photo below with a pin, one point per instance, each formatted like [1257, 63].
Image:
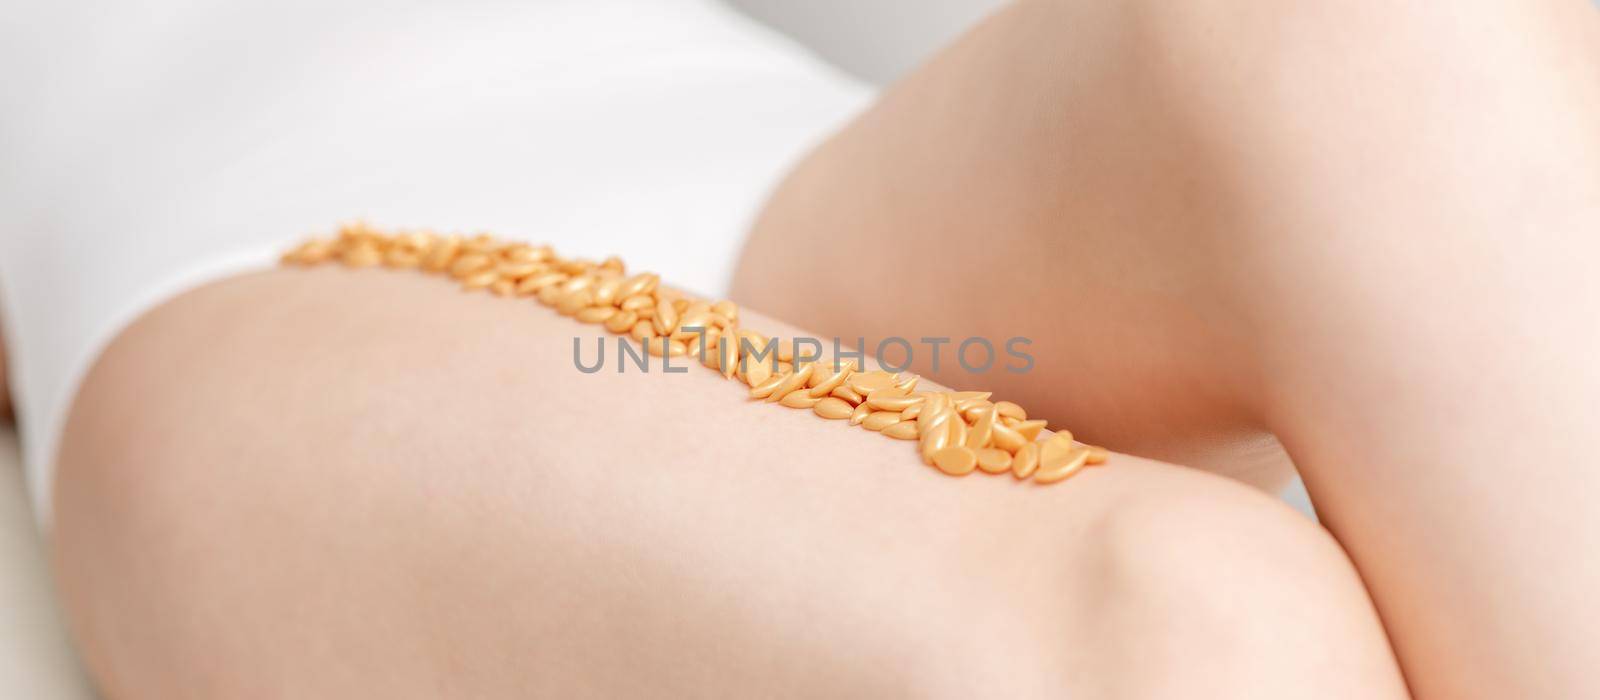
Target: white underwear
[157, 145]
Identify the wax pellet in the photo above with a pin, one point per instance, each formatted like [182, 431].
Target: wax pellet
[829, 381]
[878, 420]
[549, 295]
[666, 346]
[666, 318]
[1007, 438]
[479, 280]
[757, 343]
[932, 420]
[957, 431]
[728, 355]
[756, 371]
[596, 314]
[968, 404]
[727, 309]
[982, 430]
[690, 322]
[642, 331]
[638, 284]
[1062, 467]
[1029, 429]
[799, 399]
[621, 321]
[580, 283]
[574, 302]
[517, 270]
[442, 253]
[534, 283]
[605, 293]
[971, 409]
[792, 382]
[955, 461]
[832, 408]
[1026, 461]
[865, 383]
[1053, 452]
[766, 387]
[932, 441]
[891, 399]
[914, 411]
[859, 414]
[994, 460]
[848, 394]
[904, 430]
[402, 259]
[468, 264]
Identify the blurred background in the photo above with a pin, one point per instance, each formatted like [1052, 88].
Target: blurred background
[875, 41]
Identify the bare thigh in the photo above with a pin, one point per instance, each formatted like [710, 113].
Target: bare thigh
[334, 484]
[1358, 234]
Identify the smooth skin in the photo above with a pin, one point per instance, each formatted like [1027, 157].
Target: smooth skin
[373, 485]
[1361, 228]
[1365, 230]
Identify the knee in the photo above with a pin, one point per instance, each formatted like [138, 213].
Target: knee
[1225, 574]
[1216, 545]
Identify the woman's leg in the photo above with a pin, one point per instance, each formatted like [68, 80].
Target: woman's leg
[324, 483]
[1367, 228]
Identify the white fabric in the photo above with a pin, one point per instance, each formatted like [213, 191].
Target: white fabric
[150, 146]
[36, 658]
